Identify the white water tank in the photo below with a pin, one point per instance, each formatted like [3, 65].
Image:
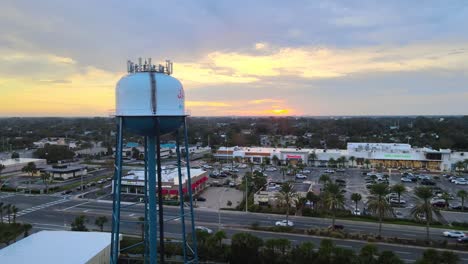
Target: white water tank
[149, 93]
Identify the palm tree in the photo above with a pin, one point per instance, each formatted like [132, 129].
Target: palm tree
[8, 211]
[251, 166]
[313, 198]
[14, 211]
[459, 165]
[324, 179]
[286, 196]
[333, 199]
[379, 204]
[45, 177]
[331, 162]
[462, 194]
[26, 228]
[446, 197]
[367, 162]
[101, 221]
[352, 159]
[263, 166]
[275, 160]
[356, 197]
[299, 202]
[425, 194]
[283, 170]
[398, 189]
[1, 212]
[312, 157]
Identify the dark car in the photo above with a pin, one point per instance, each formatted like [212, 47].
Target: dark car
[427, 182]
[439, 204]
[459, 207]
[340, 181]
[336, 227]
[201, 199]
[463, 239]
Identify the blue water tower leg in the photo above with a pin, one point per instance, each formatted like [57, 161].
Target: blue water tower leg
[146, 226]
[181, 197]
[153, 220]
[160, 194]
[116, 201]
[189, 187]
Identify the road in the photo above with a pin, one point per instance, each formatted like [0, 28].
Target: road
[56, 213]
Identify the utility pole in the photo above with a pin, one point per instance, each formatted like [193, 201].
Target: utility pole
[246, 193]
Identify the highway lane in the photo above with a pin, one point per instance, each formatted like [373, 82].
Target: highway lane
[231, 218]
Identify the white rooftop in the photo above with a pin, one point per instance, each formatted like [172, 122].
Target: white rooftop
[8, 162]
[56, 247]
[169, 175]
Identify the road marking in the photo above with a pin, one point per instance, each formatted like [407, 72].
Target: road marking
[74, 206]
[131, 215]
[36, 208]
[403, 252]
[408, 260]
[345, 246]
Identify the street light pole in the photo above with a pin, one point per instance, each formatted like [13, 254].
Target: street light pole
[246, 193]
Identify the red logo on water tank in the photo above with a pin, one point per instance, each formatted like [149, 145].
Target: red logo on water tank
[181, 95]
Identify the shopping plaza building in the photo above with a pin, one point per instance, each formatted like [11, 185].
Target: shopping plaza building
[385, 155]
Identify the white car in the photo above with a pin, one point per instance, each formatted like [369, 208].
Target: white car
[395, 201]
[284, 223]
[204, 229]
[453, 233]
[461, 181]
[456, 179]
[404, 179]
[329, 171]
[357, 212]
[300, 176]
[271, 169]
[306, 171]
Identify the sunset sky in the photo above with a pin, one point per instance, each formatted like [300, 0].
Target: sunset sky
[63, 58]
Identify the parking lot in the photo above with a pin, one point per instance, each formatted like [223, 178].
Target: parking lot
[354, 180]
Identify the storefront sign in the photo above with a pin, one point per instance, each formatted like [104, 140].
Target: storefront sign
[397, 156]
[293, 156]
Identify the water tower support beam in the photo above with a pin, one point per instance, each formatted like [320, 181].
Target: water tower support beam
[181, 196]
[153, 220]
[189, 189]
[116, 201]
[146, 226]
[160, 194]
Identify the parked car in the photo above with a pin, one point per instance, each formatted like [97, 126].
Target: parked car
[459, 207]
[453, 233]
[340, 170]
[404, 179]
[398, 214]
[395, 201]
[306, 171]
[356, 212]
[340, 181]
[427, 182]
[300, 176]
[204, 229]
[440, 204]
[329, 171]
[284, 223]
[461, 181]
[463, 239]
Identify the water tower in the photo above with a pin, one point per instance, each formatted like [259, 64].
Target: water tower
[151, 103]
